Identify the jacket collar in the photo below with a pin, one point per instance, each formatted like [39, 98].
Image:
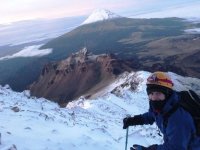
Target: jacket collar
[171, 102]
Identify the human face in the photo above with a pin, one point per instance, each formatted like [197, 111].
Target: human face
[156, 96]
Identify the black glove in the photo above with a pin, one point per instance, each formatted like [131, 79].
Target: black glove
[131, 121]
[126, 122]
[139, 147]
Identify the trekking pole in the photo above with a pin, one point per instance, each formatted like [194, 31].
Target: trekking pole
[126, 143]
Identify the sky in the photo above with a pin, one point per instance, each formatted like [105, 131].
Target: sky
[17, 10]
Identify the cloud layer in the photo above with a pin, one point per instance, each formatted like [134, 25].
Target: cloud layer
[30, 51]
[16, 10]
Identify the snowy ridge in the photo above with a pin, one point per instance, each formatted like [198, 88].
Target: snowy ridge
[100, 15]
[83, 124]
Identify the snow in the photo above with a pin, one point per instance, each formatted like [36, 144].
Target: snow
[100, 15]
[185, 83]
[30, 123]
[29, 51]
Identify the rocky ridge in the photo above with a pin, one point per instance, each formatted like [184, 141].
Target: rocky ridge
[80, 74]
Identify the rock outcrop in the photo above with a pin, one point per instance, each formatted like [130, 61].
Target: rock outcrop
[80, 74]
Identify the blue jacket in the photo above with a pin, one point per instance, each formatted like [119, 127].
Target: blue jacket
[179, 133]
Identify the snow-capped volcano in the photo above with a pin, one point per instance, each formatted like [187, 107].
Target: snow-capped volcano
[28, 123]
[99, 15]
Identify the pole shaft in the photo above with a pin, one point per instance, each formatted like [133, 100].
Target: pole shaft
[126, 139]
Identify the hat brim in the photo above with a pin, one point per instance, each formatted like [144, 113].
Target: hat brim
[158, 88]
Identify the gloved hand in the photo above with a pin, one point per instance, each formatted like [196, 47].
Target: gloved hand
[140, 147]
[126, 122]
[130, 121]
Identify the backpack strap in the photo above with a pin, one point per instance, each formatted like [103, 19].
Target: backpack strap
[169, 113]
[194, 96]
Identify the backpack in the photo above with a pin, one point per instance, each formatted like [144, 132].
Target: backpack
[189, 101]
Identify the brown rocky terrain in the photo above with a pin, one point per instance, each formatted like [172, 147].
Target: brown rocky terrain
[179, 54]
[80, 74]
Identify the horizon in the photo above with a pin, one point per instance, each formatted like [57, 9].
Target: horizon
[16, 10]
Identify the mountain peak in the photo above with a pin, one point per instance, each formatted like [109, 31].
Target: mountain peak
[100, 15]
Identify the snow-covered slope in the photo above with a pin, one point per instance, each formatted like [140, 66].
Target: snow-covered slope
[100, 15]
[28, 123]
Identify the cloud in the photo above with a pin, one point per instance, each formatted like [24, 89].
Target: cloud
[15, 10]
[33, 9]
[193, 31]
[162, 9]
[185, 11]
[30, 51]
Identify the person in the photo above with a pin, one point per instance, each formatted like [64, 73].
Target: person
[178, 128]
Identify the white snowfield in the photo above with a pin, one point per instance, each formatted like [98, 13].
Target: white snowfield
[100, 15]
[28, 123]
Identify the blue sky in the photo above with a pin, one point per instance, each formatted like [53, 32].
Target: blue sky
[16, 10]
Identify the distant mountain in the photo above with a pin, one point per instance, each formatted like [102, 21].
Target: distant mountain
[156, 44]
[80, 74]
[149, 44]
[100, 15]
